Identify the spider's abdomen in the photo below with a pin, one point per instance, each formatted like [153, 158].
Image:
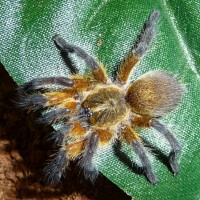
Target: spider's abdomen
[107, 105]
[155, 93]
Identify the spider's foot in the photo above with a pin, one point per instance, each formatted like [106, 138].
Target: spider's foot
[91, 173]
[151, 176]
[173, 163]
[86, 164]
[61, 44]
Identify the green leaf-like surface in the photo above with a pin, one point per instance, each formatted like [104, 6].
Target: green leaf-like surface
[27, 52]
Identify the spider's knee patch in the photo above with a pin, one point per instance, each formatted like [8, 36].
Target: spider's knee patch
[129, 135]
[75, 148]
[105, 137]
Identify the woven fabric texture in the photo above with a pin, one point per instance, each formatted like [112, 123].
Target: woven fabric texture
[27, 52]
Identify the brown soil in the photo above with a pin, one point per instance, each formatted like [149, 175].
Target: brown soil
[23, 152]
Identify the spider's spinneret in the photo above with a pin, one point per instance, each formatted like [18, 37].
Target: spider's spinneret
[95, 112]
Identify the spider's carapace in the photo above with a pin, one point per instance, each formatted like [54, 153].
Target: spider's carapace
[94, 111]
[107, 105]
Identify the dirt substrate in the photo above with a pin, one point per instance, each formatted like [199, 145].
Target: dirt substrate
[23, 151]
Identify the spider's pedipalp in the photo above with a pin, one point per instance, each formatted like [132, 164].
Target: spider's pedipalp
[55, 168]
[97, 69]
[139, 48]
[53, 116]
[44, 82]
[146, 165]
[85, 163]
[176, 149]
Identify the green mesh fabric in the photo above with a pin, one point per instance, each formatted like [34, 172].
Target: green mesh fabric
[27, 52]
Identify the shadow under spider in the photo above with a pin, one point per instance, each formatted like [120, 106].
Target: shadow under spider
[68, 61]
[126, 160]
[159, 154]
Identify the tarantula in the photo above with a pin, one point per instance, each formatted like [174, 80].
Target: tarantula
[96, 111]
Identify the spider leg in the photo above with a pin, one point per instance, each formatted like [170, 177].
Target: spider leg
[176, 149]
[59, 112]
[57, 137]
[147, 121]
[97, 69]
[40, 100]
[68, 151]
[75, 148]
[77, 131]
[31, 102]
[53, 116]
[139, 49]
[56, 97]
[42, 82]
[55, 168]
[133, 139]
[71, 138]
[105, 137]
[85, 163]
[34, 102]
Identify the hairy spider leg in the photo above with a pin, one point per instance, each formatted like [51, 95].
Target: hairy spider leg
[88, 147]
[176, 149]
[139, 48]
[133, 139]
[86, 161]
[79, 145]
[36, 101]
[97, 69]
[148, 121]
[57, 137]
[77, 130]
[55, 168]
[53, 116]
[151, 96]
[71, 143]
[38, 83]
[64, 100]
[78, 142]
[106, 136]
